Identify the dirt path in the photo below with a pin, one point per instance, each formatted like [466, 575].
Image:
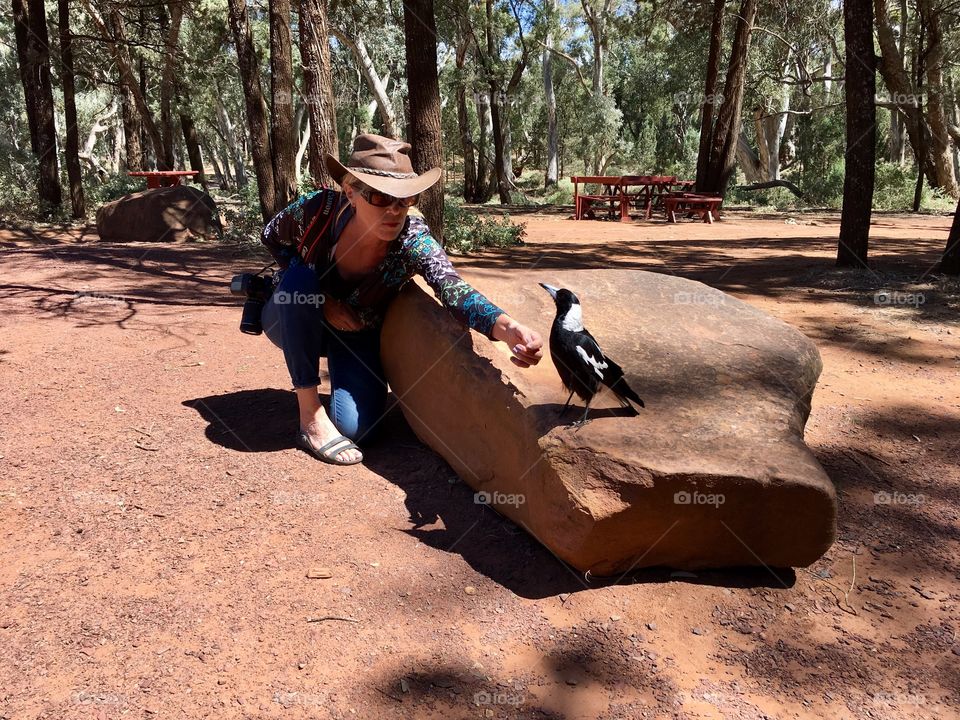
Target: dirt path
[158, 526]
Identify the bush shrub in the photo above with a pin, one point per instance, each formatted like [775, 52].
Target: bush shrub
[466, 231]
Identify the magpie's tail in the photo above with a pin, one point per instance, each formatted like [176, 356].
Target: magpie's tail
[614, 379]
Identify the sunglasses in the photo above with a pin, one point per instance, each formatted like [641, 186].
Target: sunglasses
[382, 200]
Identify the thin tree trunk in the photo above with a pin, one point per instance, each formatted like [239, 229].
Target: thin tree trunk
[723, 143]
[171, 24]
[192, 141]
[550, 100]
[950, 262]
[34, 58]
[303, 129]
[860, 88]
[256, 108]
[318, 87]
[72, 154]
[426, 136]
[486, 177]
[936, 115]
[463, 124]
[117, 43]
[378, 88]
[230, 139]
[283, 137]
[708, 103]
[902, 90]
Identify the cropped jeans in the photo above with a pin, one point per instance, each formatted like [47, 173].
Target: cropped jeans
[293, 320]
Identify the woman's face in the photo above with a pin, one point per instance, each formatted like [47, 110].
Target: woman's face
[380, 223]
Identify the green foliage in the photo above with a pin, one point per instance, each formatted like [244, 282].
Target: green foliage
[466, 231]
[114, 187]
[241, 213]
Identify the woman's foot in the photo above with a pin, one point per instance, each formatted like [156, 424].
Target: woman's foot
[316, 424]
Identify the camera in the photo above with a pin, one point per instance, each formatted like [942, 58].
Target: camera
[257, 289]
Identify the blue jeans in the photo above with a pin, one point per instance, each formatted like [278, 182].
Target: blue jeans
[358, 388]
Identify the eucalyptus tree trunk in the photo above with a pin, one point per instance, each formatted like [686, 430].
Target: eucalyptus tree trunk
[117, 43]
[486, 176]
[168, 77]
[230, 140]
[72, 150]
[936, 115]
[708, 104]
[318, 87]
[33, 51]
[722, 145]
[283, 137]
[463, 125]
[256, 108]
[950, 262]
[860, 88]
[426, 136]
[378, 88]
[550, 100]
[903, 92]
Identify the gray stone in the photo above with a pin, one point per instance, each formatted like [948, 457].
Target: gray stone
[168, 214]
[713, 472]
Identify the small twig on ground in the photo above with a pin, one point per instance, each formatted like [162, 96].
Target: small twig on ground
[145, 447]
[850, 609]
[324, 618]
[390, 695]
[141, 430]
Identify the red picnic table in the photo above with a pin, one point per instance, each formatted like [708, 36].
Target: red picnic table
[645, 192]
[162, 178]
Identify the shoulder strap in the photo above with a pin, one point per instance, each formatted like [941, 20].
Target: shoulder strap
[318, 227]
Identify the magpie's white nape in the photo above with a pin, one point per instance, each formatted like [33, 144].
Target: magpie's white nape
[580, 362]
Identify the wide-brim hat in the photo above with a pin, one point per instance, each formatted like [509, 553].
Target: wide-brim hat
[383, 164]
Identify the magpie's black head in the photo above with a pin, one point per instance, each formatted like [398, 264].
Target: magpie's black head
[563, 298]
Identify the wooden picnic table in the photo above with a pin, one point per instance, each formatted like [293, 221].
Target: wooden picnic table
[706, 206]
[162, 178]
[645, 192]
[610, 193]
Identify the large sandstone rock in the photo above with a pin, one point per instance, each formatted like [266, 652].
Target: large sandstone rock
[168, 214]
[713, 472]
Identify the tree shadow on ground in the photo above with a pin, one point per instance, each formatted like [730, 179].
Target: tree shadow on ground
[582, 668]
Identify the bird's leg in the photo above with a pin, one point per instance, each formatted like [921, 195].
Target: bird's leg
[583, 421]
[567, 404]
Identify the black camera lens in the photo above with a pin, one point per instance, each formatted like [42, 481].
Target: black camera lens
[250, 318]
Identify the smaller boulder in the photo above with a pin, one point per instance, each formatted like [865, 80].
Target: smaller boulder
[168, 214]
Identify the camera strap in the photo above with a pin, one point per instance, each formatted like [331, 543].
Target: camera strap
[311, 237]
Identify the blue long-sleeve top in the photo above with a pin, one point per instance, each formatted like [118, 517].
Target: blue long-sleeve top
[413, 252]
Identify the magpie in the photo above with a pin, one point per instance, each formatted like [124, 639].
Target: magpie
[580, 362]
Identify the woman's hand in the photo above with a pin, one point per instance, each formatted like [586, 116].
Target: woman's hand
[525, 344]
[341, 316]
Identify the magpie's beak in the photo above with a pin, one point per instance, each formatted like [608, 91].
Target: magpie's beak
[550, 289]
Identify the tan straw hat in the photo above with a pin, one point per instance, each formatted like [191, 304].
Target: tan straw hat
[383, 164]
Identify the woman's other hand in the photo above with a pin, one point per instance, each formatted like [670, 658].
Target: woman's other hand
[341, 316]
[525, 344]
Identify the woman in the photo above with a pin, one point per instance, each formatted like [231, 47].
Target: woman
[344, 256]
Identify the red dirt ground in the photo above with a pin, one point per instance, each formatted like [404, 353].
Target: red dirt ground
[158, 525]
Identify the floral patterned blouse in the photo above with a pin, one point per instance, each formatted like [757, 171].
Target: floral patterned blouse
[413, 252]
